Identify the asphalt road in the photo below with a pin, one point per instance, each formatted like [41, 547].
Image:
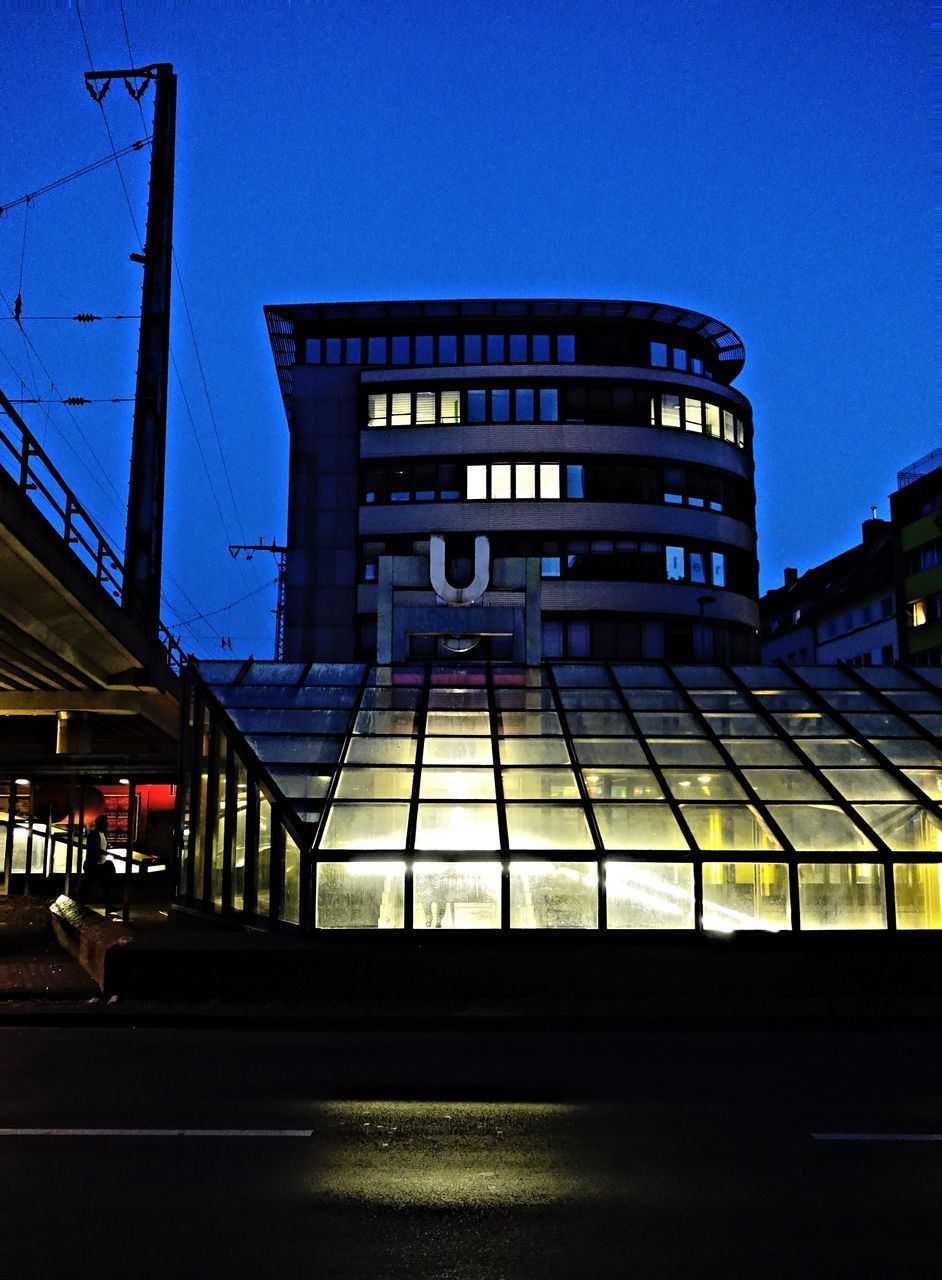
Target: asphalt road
[474, 1155]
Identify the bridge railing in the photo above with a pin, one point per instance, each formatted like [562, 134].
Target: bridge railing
[24, 459]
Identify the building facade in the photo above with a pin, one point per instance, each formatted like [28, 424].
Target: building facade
[916, 509]
[598, 447]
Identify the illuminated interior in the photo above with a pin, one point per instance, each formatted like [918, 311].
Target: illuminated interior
[566, 796]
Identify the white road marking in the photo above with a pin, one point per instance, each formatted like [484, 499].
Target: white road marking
[877, 1137]
[155, 1133]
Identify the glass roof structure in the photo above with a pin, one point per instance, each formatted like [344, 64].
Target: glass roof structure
[587, 795]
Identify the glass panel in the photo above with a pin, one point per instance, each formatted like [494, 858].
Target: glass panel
[719, 700]
[553, 895]
[622, 784]
[365, 826]
[908, 752]
[374, 784]
[918, 895]
[906, 828]
[841, 895]
[649, 895]
[565, 348]
[263, 858]
[425, 408]
[380, 751]
[590, 699]
[376, 410]
[219, 844]
[360, 895]
[449, 407]
[523, 404]
[746, 751]
[400, 414]
[866, 784]
[273, 748]
[447, 349]
[694, 784]
[460, 751]
[472, 348]
[654, 700]
[549, 480]
[440, 723]
[670, 411]
[495, 348]
[736, 724]
[525, 478]
[539, 784]
[674, 563]
[477, 483]
[457, 784]
[834, 751]
[728, 826]
[638, 826]
[390, 699]
[454, 827]
[291, 884]
[928, 780]
[400, 350]
[745, 895]
[785, 784]
[533, 751]
[499, 480]
[424, 349]
[456, 895]
[500, 406]
[684, 751]
[384, 722]
[614, 723]
[608, 751]
[680, 722]
[238, 837]
[871, 724]
[800, 724]
[547, 826]
[815, 827]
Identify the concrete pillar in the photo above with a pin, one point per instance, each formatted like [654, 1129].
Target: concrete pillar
[73, 733]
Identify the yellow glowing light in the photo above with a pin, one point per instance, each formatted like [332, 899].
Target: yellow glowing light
[22, 782]
[704, 777]
[376, 868]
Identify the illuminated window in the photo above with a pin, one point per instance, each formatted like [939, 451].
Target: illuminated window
[456, 895]
[918, 895]
[638, 826]
[785, 784]
[462, 723]
[745, 895]
[374, 784]
[729, 428]
[457, 784]
[674, 563]
[360, 895]
[917, 613]
[693, 415]
[454, 827]
[553, 895]
[457, 751]
[511, 723]
[609, 751]
[477, 482]
[400, 413]
[712, 419]
[549, 480]
[291, 883]
[728, 827]
[367, 750]
[823, 827]
[928, 780]
[670, 410]
[684, 751]
[718, 568]
[449, 406]
[539, 784]
[376, 410]
[263, 858]
[533, 751]
[649, 895]
[525, 479]
[547, 826]
[425, 408]
[841, 896]
[365, 826]
[500, 480]
[622, 784]
[866, 784]
[697, 784]
[906, 828]
[238, 837]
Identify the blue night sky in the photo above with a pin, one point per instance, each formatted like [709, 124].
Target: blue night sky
[767, 164]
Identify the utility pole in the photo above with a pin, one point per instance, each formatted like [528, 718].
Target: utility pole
[143, 547]
[282, 553]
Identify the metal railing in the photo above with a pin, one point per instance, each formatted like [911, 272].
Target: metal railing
[24, 459]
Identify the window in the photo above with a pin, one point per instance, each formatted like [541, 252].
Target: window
[575, 485]
[495, 348]
[553, 895]
[500, 406]
[659, 355]
[447, 349]
[376, 351]
[354, 348]
[376, 410]
[400, 350]
[718, 568]
[456, 895]
[360, 895]
[729, 428]
[449, 406]
[696, 364]
[400, 412]
[332, 351]
[425, 408]
[477, 482]
[841, 896]
[649, 895]
[712, 412]
[670, 410]
[549, 480]
[674, 563]
[477, 406]
[697, 572]
[679, 358]
[549, 404]
[500, 480]
[917, 613]
[312, 351]
[523, 405]
[565, 348]
[693, 415]
[525, 480]
[541, 348]
[472, 348]
[745, 895]
[518, 348]
[424, 349]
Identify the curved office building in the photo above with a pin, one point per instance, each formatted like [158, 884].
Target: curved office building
[599, 449]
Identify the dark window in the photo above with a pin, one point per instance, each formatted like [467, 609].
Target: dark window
[312, 352]
[659, 355]
[552, 639]
[354, 348]
[523, 405]
[424, 349]
[541, 348]
[495, 348]
[472, 348]
[679, 358]
[696, 364]
[447, 349]
[500, 406]
[376, 351]
[565, 348]
[477, 406]
[518, 348]
[449, 481]
[575, 487]
[577, 637]
[400, 350]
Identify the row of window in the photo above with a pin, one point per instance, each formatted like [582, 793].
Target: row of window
[613, 480]
[663, 357]
[613, 559]
[926, 557]
[724, 898]
[443, 349]
[872, 611]
[577, 404]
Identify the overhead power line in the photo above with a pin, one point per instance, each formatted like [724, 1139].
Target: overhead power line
[70, 177]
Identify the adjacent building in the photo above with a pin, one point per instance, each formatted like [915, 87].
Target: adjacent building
[599, 448]
[916, 509]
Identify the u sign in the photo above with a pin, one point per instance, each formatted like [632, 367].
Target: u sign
[478, 584]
